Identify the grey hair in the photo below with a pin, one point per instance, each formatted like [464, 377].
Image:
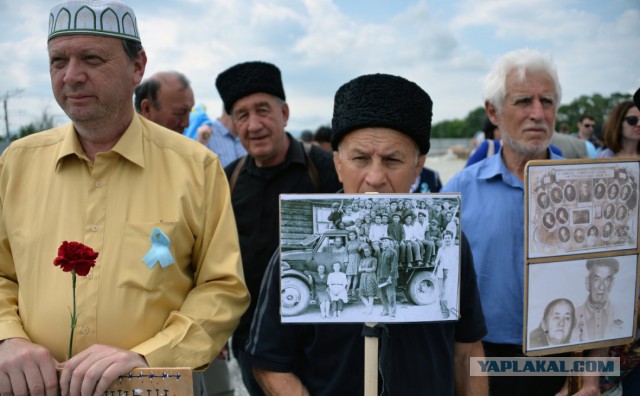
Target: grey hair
[520, 61]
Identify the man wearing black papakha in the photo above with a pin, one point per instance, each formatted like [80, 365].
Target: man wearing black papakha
[254, 97]
[381, 125]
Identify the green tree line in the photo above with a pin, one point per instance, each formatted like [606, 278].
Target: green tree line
[42, 123]
[596, 105]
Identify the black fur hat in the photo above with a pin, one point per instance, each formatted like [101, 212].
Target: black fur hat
[248, 78]
[382, 100]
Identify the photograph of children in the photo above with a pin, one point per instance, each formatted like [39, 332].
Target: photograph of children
[599, 208]
[388, 258]
[596, 305]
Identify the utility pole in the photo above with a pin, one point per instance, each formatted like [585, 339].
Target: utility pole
[7, 96]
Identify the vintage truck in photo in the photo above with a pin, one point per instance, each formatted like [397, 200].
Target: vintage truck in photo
[418, 284]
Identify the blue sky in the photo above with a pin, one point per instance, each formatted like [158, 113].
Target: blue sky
[445, 46]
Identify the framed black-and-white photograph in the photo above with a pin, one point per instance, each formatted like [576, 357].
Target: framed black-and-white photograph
[384, 258]
[580, 304]
[578, 208]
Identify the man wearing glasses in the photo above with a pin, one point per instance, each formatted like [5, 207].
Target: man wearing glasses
[586, 132]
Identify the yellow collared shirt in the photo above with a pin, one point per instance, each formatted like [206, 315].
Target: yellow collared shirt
[50, 192]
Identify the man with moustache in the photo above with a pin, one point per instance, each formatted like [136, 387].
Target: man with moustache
[522, 96]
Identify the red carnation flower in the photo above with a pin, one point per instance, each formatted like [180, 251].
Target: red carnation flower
[78, 259]
[75, 256]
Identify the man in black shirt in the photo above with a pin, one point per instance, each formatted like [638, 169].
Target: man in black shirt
[381, 127]
[276, 163]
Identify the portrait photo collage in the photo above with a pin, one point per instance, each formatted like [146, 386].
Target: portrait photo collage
[581, 264]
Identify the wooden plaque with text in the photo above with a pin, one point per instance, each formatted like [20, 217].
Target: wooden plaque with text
[154, 382]
[158, 381]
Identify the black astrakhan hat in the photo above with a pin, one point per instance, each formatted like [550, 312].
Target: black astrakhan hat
[382, 100]
[248, 78]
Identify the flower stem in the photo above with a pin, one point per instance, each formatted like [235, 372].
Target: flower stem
[73, 315]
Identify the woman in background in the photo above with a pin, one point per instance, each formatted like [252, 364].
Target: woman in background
[622, 132]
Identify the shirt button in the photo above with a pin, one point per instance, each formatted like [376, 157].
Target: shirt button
[85, 330]
[98, 183]
[94, 228]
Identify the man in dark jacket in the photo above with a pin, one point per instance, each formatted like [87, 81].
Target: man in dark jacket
[381, 127]
[276, 163]
[388, 277]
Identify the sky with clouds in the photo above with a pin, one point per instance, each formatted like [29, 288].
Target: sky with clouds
[445, 46]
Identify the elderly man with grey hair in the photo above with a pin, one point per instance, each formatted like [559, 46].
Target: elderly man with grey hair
[522, 95]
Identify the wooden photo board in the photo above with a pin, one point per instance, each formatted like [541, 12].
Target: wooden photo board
[582, 255]
[325, 229]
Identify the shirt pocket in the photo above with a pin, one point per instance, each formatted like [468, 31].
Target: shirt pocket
[136, 275]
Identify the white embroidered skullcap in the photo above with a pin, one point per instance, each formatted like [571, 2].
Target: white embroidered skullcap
[99, 17]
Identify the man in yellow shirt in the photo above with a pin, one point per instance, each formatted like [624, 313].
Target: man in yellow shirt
[111, 180]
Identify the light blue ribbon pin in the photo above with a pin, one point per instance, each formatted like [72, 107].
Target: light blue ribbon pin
[159, 251]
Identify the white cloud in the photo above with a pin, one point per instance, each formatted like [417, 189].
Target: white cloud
[446, 47]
